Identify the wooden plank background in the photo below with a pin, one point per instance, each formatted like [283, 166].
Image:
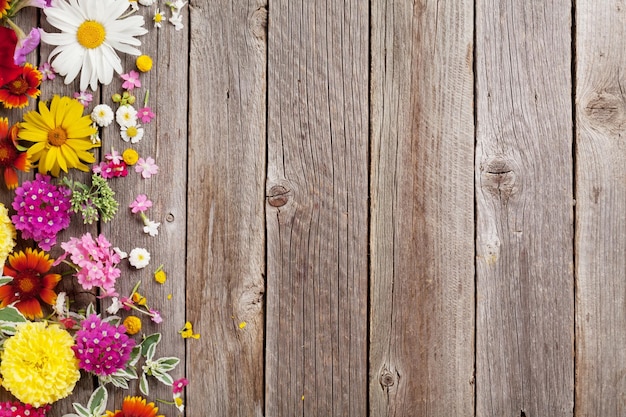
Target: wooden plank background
[388, 208]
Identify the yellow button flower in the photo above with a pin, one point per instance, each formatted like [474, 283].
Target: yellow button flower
[132, 324]
[144, 63]
[130, 156]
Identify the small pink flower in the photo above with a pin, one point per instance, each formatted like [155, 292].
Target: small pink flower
[47, 72]
[83, 98]
[140, 204]
[145, 114]
[114, 157]
[146, 167]
[131, 80]
[155, 316]
[179, 385]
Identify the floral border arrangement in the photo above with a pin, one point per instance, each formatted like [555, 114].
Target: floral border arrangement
[47, 342]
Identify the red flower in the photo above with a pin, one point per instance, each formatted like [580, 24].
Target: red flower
[15, 93]
[31, 282]
[10, 158]
[8, 41]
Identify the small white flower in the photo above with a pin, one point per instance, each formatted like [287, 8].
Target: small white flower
[158, 18]
[126, 116]
[177, 20]
[139, 258]
[102, 115]
[95, 137]
[120, 253]
[59, 305]
[150, 227]
[176, 5]
[131, 133]
[115, 306]
[146, 2]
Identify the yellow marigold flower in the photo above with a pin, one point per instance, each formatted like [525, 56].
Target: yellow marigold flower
[130, 156]
[60, 136]
[7, 235]
[144, 63]
[187, 332]
[132, 324]
[38, 364]
[139, 299]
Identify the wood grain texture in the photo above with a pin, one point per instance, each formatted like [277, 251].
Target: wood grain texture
[600, 208]
[524, 196]
[226, 199]
[422, 227]
[316, 341]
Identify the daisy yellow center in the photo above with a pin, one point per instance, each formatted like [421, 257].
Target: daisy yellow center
[18, 87]
[131, 131]
[57, 136]
[90, 34]
[27, 284]
[158, 17]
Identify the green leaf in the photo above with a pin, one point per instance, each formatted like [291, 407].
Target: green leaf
[148, 342]
[135, 354]
[164, 378]
[167, 363]
[127, 374]
[143, 385]
[11, 314]
[5, 280]
[98, 401]
[91, 309]
[81, 410]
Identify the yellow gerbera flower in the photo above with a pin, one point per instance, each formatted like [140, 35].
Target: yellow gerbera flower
[61, 136]
[38, 364]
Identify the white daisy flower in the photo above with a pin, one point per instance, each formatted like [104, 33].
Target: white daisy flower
[102, 115]
[139, 258]
[95, 136]
[126, 116]
[158, 18]
[91, 33]
[131, 133]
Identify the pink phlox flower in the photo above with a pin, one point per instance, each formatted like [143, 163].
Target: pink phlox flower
[16, 408]
[102, 348]
[96, 263]
[140, 204]
[179, 385]
[146, 167]
[42, 210]
[131, 80]
[26, 45]
[110, 169]
[114, 156]
[155, 316]
[84, 98]
[47, 72]
[145, 114]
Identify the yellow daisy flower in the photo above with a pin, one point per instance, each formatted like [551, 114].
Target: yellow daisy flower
[61, 136]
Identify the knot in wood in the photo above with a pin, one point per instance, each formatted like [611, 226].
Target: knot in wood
[605, 108]
[278, 196]
[258, 23]
[498, 178]
[386, 378]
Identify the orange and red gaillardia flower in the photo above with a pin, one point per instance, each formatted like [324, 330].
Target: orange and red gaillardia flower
[15, 93]
[135, 407]
[31, 282]
[11, 159]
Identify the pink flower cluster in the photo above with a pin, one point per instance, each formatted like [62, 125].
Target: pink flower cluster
[102, 348]
[113, 166]
[43, 210]
[96, 262]
[16, 408]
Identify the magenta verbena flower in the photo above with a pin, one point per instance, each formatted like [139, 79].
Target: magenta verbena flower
[96, 262]
[16, 408]
[43, 210]
[102, 348]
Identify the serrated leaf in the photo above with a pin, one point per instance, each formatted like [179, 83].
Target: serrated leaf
[98, 401]
[143, 385]
[11, 314]
[150, 341]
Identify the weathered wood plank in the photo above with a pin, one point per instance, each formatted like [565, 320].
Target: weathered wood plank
[600, 208]
[525, 317]
[422, 228]
[225, 245]
[316, 342]
[165, 140]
